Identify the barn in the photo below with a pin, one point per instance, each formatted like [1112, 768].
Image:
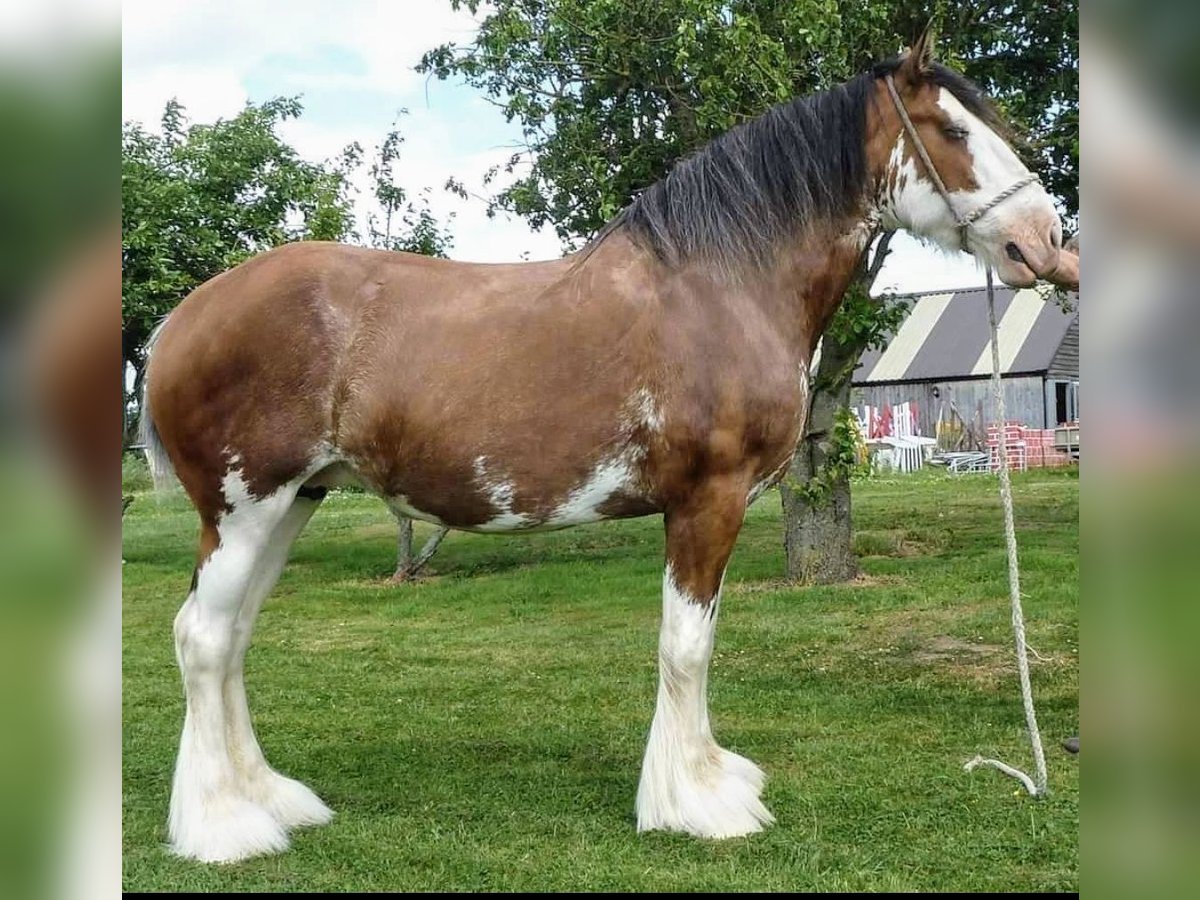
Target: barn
[940, 359]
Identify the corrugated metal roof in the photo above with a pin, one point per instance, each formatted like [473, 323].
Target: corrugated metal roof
[945, 335]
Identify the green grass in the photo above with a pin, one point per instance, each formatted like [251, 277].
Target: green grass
[483, 729]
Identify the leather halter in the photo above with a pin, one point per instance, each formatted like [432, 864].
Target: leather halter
[962, 220]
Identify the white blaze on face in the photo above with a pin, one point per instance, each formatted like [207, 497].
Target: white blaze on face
[996, 168]
[911, 200]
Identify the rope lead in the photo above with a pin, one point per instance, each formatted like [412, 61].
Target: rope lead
[1035, 786]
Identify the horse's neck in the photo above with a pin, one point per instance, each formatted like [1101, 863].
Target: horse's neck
[803, 290]
[797, 295]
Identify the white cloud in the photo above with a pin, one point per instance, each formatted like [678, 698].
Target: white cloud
[208, 92]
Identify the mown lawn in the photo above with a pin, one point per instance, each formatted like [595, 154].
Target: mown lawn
[483, 729]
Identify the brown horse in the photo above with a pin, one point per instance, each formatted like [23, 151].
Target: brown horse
[662, 370]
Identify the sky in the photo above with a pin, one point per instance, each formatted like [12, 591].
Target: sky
[352, 63]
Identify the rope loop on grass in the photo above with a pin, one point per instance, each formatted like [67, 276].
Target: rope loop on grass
[1036, 788]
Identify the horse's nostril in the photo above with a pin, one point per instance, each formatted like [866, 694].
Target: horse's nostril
[1014, 253]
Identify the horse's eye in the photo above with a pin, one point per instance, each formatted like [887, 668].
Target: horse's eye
[955, 132]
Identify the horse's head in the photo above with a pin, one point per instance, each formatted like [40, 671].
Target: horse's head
[977, 180]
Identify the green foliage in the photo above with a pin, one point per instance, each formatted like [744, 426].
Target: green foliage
[845, 457]
[862, 322]
[609, 93]
[405, 224]
[198, 199]
[868, 321]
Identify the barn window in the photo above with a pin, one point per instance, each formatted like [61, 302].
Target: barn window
[1066, 401]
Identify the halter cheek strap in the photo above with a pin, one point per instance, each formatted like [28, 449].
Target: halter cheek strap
[962, 220]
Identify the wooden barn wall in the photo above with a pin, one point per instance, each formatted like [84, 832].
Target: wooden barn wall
[1066, 360]
[1024, 399]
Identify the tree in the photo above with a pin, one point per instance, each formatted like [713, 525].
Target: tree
[198, 199]
[609, 93]
[405, 225]
[817, 533]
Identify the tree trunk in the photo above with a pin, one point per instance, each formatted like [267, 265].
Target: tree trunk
[409, 566]
[817, 533]
[404, 548]
[818, 536]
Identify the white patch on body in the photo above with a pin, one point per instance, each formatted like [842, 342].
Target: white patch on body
[649, 416]
[613, 475]
[399, 503]
[688, 782]
[226, 803]
[912, 202]
[616, 474]
[583, 503]
[500, 494]
[769, 480]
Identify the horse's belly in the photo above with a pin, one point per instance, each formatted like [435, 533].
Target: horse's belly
[492, 502]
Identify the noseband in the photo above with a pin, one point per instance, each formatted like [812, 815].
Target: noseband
[962, 220]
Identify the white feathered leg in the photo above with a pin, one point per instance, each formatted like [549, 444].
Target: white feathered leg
[211, 817]
[290, 802]
[688, 782]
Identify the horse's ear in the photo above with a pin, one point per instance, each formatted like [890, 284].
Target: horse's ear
[918, 62]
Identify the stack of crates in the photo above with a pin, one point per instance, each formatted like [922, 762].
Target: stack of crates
[1027, 448]
[1014, 439]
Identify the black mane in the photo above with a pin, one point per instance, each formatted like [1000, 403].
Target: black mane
[737, 198]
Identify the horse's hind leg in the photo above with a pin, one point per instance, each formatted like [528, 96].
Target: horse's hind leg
[291, 803]
[211, 817]
[688, 782]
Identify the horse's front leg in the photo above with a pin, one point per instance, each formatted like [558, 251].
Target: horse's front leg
[688, 782]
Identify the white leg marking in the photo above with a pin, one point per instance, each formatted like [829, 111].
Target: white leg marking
[688, 782]
[212, 818]
[290, 802]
